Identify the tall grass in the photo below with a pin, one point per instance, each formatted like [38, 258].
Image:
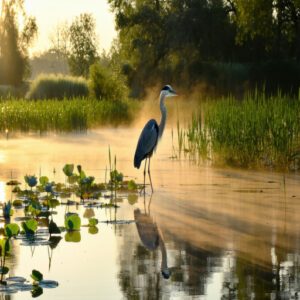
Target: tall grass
[57, 87]
[66, 115]
[256, 131]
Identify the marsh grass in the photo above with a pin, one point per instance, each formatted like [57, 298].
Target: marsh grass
[256, 131]
[76, 114]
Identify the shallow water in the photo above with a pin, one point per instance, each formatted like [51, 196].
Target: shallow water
[220, 233]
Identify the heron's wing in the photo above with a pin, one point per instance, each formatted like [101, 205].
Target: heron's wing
[147, 142]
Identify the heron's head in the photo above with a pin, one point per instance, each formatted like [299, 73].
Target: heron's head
[166, 273]
[168, 91]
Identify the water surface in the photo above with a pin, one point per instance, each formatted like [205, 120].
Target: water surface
[220, 233]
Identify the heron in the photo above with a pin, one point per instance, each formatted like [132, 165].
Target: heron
[151, 236]
[151, 134]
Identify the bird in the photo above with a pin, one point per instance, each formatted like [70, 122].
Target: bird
[151, 134]
[151, 237]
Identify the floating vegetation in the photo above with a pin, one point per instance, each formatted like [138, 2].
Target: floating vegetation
[253, 132]
[39, 200]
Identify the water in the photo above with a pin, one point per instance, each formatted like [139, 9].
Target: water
[220, 233]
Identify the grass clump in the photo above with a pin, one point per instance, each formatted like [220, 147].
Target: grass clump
[77, 114]
[257, 131]
[57, 87]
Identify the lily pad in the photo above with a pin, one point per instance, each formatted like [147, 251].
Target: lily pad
[36, 275]
[73, 236]
[53, 228]
[72, 222]
[29, 226]
[93, 222]
[68, 169]
[93, 230]
[12, 229]
[36, 292]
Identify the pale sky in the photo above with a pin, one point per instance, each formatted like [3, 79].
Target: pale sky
[49, 13]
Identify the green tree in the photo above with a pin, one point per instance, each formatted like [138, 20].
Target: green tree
[83, 45]
[14, 42]
[274, 23]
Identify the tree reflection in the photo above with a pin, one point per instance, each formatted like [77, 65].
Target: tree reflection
[196, 269]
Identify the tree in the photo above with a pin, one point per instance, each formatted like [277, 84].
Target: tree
[14, 42]
[83, 45]
[275, 23]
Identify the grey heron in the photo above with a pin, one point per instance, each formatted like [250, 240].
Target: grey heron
[151, 134]
[151, 237]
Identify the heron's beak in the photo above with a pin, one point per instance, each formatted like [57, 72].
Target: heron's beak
[174, 93]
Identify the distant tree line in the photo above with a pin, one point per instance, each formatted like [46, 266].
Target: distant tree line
[186, 41]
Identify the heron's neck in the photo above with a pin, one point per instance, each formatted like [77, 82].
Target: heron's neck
[164, 260]
[163, 110]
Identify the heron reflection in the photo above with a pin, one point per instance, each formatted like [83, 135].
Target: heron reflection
[151, 236]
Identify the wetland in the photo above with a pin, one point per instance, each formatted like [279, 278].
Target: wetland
[216, 233]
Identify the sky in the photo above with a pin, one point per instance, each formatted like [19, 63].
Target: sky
[49, 13]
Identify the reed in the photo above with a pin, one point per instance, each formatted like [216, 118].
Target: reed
[255, 131]
[77, 114]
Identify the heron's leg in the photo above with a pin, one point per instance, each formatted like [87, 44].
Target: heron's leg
[145, 175]
[150, 175]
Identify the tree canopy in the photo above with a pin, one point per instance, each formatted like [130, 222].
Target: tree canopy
[181, 38]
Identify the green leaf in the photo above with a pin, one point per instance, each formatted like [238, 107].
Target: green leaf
[132, 186]
[12, 229]
[36, 275]
[132, 199]
[72, 222]
[53, 228]
[68, 169]
[36, 292]
[93, 222]
[4, 246]
[53, 203]
[93, 230]
[73, 236]
[31, 180]
[30, 226]
[43, 180]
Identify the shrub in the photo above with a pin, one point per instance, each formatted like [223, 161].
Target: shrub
[105, 84]
[57, 87]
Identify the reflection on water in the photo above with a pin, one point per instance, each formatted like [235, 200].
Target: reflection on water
[217, 233]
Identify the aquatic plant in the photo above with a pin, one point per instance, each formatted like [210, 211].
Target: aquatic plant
[255, 131]
[74, 114]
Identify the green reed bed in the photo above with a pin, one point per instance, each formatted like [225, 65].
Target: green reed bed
[255, 131]
[65, 115]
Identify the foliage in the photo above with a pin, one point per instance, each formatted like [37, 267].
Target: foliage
[65, 115]
[83, 49]
[180, 41]
[36, 275]
[57, 87]
[257, 131]
[31, 180]
[14, 42]
[105, 84]
[72, 222]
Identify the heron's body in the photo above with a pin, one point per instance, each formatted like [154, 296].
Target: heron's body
[151, 134]
[146, 143]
